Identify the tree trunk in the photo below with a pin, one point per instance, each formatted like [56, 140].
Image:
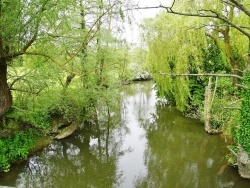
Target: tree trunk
[5, 94]
[208, 102]
[229, 52]
[207, 106]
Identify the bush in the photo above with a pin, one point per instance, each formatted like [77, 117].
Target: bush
[16, 147]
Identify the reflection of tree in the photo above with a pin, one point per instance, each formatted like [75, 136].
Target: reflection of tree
[87, 159]
[141, 95]
[178, 155]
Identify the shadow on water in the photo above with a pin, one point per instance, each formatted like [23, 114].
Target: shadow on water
[80, 161]
[144, 144]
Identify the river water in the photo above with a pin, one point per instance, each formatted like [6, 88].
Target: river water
[144, 144]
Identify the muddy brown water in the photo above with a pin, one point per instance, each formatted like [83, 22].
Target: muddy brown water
[143, 144]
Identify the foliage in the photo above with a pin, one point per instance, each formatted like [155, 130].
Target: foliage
[213, 59]
[179, 44]
[222, 118]
[61, 44]
[243, 136]
[180, 48]
[16, 147]
[65, 58]
[173, 52]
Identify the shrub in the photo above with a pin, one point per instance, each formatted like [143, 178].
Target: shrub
[16, 147]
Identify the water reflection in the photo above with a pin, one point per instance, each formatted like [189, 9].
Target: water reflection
[81, 161]
[140, 145]
[139, 102]
[86, 159]
[180, 154]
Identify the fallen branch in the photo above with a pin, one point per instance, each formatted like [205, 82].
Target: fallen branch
[67, 131]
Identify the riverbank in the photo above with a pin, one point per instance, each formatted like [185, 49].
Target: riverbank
[19, 145]
[138, 145]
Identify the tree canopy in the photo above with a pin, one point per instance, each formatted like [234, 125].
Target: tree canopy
[75, 38]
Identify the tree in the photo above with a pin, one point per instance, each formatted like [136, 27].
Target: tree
[223, 15]
[56, 31]
[175, 46]
[217, 20]
[226, 24]
[231, 13]
[22, 25]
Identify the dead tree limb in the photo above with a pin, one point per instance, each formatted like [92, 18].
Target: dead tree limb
[202, 74]
[207, 106]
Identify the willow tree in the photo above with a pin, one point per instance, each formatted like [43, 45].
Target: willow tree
[225, 22]
[226, 16]
[174, 46]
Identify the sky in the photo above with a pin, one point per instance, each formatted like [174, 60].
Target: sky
[150, 3]
[132, 31]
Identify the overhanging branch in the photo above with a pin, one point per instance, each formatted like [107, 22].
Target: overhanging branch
[239, 6]
[28, 91]
[203, 14]
[203, 74]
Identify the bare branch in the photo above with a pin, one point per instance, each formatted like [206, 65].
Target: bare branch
[87, 38]
[62, 64]
[242, 71]
[232, 108]
[215, 87]
[32, 40]
[239, 6]
[237, 101]
[244, 27]
[204, 74]
[223, 25]
[17, 79]
[213, 14]
[227, 2]
[28, 91]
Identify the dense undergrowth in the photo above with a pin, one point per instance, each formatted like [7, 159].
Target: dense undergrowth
[243, 133]
[33, 115]
[17, 146]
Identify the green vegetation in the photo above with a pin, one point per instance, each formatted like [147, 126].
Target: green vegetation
[16, 147]
[244, 129]
[191, 39]
[65, 60]
[60, 61]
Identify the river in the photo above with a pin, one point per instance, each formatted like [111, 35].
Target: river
[143, 144]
